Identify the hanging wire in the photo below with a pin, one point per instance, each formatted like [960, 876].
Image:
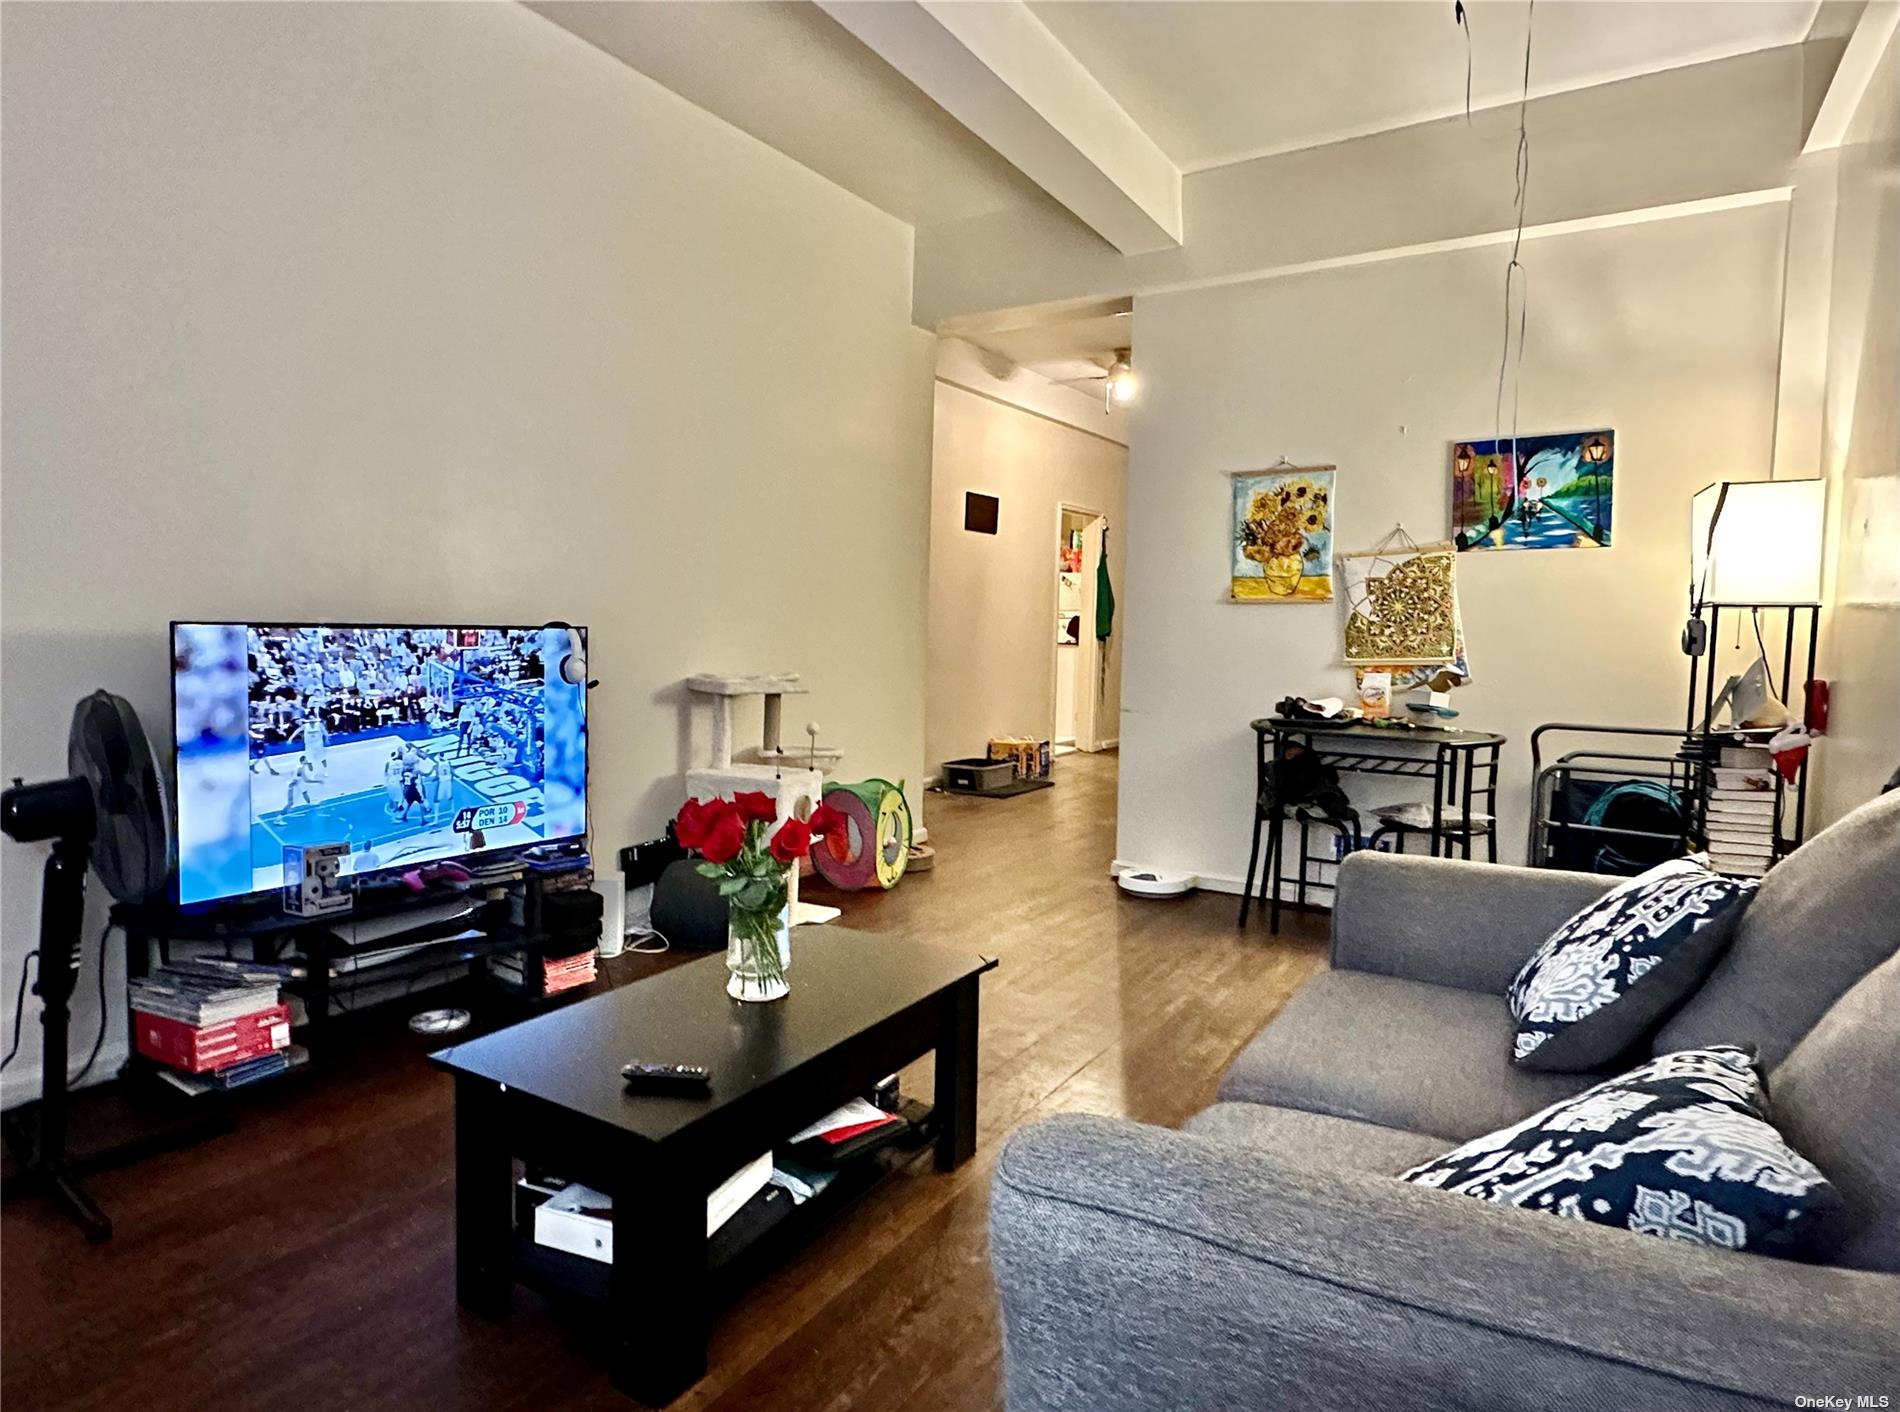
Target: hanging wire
[1464, 22]
[1515, 274]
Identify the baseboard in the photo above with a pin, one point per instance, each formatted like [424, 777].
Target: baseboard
[19, 1083]
[1114, 744]
[20, 1080]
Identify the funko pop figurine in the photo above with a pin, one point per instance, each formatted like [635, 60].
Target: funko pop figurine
[314, 885]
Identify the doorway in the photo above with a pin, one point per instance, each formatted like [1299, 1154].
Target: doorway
[1078, 661]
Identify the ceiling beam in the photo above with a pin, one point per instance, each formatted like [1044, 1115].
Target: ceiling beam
[997, 69]
[1865, 48]
[1664, 141]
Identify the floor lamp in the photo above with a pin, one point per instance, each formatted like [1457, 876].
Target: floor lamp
[1755, 549]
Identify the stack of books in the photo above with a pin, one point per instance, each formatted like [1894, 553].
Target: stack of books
[1741, 818]
[845, 1133]
[250, 1071]
[206, 1015]
[801, 1182]
[238, 1075]
[565, 972]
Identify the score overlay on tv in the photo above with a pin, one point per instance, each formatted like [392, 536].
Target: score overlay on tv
[409, 744]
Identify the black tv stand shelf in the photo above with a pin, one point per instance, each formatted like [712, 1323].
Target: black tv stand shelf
[333, 977]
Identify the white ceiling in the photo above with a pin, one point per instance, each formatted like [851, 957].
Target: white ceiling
[783, 71]
[1209, 81]
[1215, 82]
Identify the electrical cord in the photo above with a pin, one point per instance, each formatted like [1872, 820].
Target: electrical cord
[1463, 19]
[19, 1005]
[642, 948]
[1699, 592]
[1754, 615]
[99, 1039]
[1514, 272]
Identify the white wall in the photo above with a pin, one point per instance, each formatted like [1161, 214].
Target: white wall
[1860, 457]
[1665, 332]
[993, 597]
[437, 312]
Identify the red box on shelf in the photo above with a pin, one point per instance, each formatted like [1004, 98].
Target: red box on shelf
[199, 1050]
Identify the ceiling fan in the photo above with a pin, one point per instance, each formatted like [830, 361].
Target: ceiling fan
[1118, 381]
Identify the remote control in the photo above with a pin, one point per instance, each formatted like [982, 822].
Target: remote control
[689, 1080]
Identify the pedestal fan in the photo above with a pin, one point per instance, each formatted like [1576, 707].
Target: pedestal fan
[109, 814]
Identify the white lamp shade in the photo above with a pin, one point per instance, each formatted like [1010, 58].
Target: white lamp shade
[1767, 542]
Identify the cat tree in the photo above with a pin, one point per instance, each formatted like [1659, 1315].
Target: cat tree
[795, 779]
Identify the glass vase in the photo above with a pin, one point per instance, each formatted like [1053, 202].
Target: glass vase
[758, 954]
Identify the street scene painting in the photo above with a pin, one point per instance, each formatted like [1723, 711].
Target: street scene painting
[1534, 492]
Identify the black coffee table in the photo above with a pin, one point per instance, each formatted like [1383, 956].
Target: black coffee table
[549, 1090]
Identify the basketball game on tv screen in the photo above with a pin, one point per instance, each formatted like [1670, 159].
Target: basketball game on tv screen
[408, 744]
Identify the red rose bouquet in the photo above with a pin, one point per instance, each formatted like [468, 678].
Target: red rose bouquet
[744, 846]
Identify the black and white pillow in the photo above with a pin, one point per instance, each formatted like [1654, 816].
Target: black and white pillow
[1613, 971]
[1680, 1147]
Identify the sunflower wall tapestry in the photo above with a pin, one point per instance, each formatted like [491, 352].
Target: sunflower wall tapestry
[1282, 535]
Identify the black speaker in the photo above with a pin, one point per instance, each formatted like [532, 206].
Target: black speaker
[688, 910]
[570, 922]
[644, 862]
[577, 910]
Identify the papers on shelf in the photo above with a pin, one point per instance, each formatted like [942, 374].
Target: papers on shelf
[857, 1115]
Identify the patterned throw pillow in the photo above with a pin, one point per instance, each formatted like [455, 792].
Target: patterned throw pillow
[1611, 973]
[1680, 1147]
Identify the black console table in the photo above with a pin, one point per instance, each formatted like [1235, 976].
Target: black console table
[549, 1090]
[1462, 766]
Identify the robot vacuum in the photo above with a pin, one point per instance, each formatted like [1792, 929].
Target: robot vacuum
[1154, 882]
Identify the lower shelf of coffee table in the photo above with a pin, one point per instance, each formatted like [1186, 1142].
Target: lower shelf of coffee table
[733, 1259]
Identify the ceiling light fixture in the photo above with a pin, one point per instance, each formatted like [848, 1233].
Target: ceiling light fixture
[1122, 384]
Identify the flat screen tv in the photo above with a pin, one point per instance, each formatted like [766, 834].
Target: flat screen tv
[409, 743]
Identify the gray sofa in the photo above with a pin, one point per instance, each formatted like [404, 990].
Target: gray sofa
[1266, 1256]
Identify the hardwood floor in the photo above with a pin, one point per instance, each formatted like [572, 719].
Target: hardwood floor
[307, 1261]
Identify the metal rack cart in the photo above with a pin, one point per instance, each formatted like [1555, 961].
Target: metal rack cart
[1572, 798]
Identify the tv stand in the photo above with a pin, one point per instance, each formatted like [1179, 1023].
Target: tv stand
[391, 927]
[445, 927]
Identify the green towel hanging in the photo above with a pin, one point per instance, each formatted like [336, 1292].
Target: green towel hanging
[1104, 616]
